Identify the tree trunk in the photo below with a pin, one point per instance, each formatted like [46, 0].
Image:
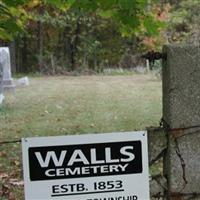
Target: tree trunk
[74, 44]
[85, 55]
[148, 5]
[13, 56]
[18, 55]
[24, 55]
[66, 47]
[40, 41]
[95, 59]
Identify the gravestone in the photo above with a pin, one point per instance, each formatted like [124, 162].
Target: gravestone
[5, 64]
[1, 84]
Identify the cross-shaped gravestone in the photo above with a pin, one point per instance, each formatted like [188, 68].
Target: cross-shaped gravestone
[5, 64]
[1, 84]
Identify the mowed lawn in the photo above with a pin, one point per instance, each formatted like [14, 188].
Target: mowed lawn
[72, 105]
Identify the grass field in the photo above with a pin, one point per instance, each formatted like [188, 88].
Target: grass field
[72, 105]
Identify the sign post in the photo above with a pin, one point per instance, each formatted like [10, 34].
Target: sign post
[111, 166]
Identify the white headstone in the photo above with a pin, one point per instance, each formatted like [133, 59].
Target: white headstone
[5, 63]
[1, 84]
[1, 98]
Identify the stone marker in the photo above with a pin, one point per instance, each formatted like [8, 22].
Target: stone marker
[5, 63]
[181, 111]
[1, 84]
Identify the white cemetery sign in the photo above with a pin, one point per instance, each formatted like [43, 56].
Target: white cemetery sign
[111, 166]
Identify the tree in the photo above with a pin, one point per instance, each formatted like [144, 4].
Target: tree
[184, 23]
[12, 18]
[55, 35]
[129, 14]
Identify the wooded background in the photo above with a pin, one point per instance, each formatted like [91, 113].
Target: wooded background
[56, 37]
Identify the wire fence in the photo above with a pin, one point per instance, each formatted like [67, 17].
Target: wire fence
[177, 133]
[10, 142]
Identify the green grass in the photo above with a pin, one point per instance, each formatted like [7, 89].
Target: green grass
[74, 105]
[118, 72]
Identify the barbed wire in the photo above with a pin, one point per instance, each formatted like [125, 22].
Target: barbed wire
[191, 195]
[10, 142]
[163, 124]
[166, 127]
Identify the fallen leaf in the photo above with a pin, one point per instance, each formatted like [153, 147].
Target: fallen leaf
[15, 182]
[4, 190]
[92, 125]
[3, 175]
[11, 196]
[59, 107]
[2, 154]
[15, 162]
